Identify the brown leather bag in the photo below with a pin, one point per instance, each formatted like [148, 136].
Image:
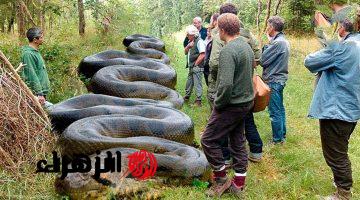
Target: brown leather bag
[262, 94]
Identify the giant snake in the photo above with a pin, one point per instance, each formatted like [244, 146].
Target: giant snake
[134, 106]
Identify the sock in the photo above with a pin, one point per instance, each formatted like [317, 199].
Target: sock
[239, 180]
[220, 173]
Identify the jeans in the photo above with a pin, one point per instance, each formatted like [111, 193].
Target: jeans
[335, 135]
[226, 123]
[194, 80]
[252, 136]
[277, 112]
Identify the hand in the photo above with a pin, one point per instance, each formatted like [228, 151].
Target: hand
[268, 37]
[320, 20]
[190, 45]
[41, 100]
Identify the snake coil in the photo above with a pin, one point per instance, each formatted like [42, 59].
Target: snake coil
[134, 106]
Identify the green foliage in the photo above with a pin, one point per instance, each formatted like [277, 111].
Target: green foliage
[168, 16]
[299, 14]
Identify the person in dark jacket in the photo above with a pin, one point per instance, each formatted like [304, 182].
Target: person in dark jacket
[197, 22]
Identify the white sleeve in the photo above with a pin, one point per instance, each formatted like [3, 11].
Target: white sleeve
[201, 46]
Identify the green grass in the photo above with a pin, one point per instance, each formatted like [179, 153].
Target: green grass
[296, 170]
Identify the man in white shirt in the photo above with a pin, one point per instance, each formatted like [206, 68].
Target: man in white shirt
[195, 52]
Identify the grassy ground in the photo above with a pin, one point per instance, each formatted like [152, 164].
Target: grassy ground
[296, 170]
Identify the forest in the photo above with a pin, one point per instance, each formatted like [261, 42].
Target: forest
[76, 29]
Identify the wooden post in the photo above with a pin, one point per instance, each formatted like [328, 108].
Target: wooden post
[28, 92]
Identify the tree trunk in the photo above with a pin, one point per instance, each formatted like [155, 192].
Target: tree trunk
[2, 25]
[277, 7]
[12, 18]
[81, 17]
[20, 19]
[42, 14]
[268, 13]
[27, 12]
[258, 18]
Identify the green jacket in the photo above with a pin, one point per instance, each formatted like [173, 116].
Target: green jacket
[34, 73]
[218, 44]
[234, 83]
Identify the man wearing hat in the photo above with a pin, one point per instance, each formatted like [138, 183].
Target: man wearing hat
[195, 52]
[34, 73]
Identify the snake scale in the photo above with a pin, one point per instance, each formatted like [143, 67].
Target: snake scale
[133, 106]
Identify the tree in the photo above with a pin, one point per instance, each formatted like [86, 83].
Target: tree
[268, 13]
[277, 7]
[81, 17]
[299, 14]
[20, 18]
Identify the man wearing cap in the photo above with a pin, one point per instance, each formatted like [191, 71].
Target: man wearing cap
[34, 73]
[195, 52]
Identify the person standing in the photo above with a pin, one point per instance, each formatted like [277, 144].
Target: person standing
[275, 61]
[336, 103]
[234, 100]
[195, 52]
[251, 132]
[197, 22]
[34, 72]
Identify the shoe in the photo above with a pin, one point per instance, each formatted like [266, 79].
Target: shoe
[186, 99]
[255, 157]
[198, 103]
[340, 194]
[278, 143]
[219, 186]
[237, 191]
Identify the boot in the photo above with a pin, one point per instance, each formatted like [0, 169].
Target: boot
[340, 194]
[220, 185]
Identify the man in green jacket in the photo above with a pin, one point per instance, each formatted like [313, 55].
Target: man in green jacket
[34, 73]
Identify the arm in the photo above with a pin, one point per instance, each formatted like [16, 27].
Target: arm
[320, 60]
[202, 48]
[215, 52]
[271, 53]
[200, 59]
[30, 76]
[188, 47]
[254, 44]
[226, 79]
[186, 42]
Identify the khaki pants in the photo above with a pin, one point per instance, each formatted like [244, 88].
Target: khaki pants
[194, 80]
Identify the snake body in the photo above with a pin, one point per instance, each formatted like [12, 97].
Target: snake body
[134, 107]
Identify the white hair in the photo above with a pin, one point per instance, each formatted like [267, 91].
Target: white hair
[192, 30]
[198, 19]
